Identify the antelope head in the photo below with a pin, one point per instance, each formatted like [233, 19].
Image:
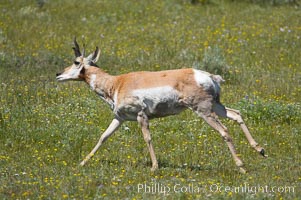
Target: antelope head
[77, 70]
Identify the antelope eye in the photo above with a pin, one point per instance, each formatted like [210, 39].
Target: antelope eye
[76, 62]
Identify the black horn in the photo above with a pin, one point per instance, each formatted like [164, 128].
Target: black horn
[76, 48]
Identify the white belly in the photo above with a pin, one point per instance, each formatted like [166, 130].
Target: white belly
[155, 102]
[159, 101]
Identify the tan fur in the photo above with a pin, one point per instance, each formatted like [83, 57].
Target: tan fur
[141, 96]
[180, 79]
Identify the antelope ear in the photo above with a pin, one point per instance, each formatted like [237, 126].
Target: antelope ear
[94, 56]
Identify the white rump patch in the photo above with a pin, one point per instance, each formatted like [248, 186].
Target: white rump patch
[203, 78]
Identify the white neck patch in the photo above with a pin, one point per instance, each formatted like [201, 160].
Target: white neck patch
[93, 81]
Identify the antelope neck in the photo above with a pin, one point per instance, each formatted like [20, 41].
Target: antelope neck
[100, 82]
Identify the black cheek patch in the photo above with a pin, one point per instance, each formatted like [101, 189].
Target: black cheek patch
[83, 71]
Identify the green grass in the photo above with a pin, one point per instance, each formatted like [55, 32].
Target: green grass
[47, 128]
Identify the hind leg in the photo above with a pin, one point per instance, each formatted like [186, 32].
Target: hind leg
[217, 125]
[235, 115]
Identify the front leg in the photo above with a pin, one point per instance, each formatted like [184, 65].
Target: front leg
[110, 130]
[143, 121]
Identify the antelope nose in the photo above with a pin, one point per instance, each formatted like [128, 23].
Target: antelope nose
[57, 74]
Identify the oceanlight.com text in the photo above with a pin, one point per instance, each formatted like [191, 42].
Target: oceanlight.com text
[159, 188]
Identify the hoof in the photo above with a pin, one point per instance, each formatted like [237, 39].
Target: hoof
[82, 163]
[154, 168]
[262, 152]
[242, 170]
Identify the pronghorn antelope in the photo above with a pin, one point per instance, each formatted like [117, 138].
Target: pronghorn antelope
[141, 96]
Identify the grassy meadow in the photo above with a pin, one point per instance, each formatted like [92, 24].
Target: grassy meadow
[47, 128]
